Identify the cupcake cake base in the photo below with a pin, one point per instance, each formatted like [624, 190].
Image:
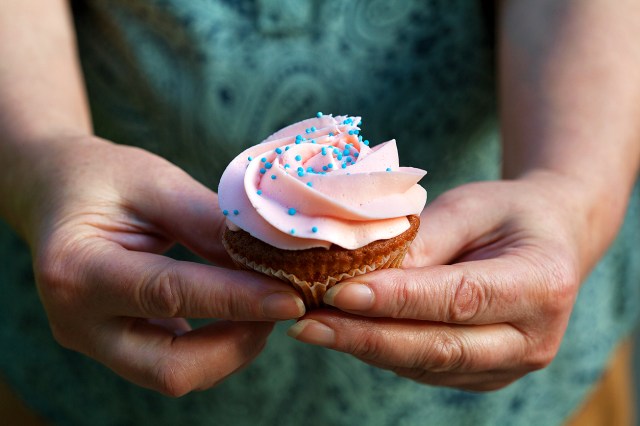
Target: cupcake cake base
[313, 271]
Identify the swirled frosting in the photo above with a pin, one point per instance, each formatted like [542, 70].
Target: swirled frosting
[317, 183]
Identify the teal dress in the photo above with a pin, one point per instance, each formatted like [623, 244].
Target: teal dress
[197, 82]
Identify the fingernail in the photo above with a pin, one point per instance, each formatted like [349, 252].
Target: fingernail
[282, 306]
[314, 332]
[350, 296]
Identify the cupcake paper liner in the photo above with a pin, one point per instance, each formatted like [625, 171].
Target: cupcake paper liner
[313, 291]
[313, 271]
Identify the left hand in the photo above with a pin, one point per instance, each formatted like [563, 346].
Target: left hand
[485, 293]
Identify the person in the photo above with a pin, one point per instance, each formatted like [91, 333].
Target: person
[516, 283]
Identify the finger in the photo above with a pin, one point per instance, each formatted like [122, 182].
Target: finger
[506, 289]
[182, 208]
[417, 345]
[454, 223]
[177, 326]
[145, 285]
[475, 382]
[155, 358]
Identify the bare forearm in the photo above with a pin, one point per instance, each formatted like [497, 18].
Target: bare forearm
[41, 89]
[42, 95]
[570, 100]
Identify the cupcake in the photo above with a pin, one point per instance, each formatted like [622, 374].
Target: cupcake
[313, 205]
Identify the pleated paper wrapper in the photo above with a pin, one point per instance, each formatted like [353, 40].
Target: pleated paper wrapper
[313, 292]
[380, 255]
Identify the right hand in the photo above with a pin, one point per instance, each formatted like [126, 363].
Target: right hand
[100, 216]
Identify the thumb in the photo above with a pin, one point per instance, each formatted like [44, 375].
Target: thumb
[456, 222]
[184, 210]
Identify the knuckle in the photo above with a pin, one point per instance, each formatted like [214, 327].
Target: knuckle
[231, 306]
[561, 287]
[171, 378]
[53, 268]
[369, 347]
[60, 271]
[541, 357]
[454, 201]
[469, 299]
[405, 301]
[445, 353]
[416, 374]
[160, 295]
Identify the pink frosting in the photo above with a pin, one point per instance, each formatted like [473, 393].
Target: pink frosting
[316, 183]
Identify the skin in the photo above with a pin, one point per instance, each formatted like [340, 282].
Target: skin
[97, 217]
[487, 289]
[485, 293]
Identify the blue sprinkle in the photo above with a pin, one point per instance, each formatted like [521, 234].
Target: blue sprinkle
[336, 151]
[298, 158]
[250, 158]
[325, 168]
[330, 133]
[259, 191]
[263, 159]
[301, 173]
[236, 212]
[310, 184]
[319, 114]
[346, 151]
[314, 229]
[300, 169]
[307, 131]
[349, 159]
[344, 165]
[286, 166]
[298, 141]
[313, 129]
[299, 137]
[356, 154]
[293, 231]
[388, 169]
[339, 157]
[273, 177]
[309, 169]
[356, 132]
[351, 132]
[366, 142]
[324, 151]
[330, 165]
[292, 211]
[347, 121]
[313, 141]
[268, 165]
[263, 171]
[225, 212]
[360, 138]
[286, 148]
[278, 151]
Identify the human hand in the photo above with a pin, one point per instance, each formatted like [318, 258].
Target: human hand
[484, 295]
[101, 214]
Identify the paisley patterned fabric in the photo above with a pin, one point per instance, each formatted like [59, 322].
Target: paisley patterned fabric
[197, 81]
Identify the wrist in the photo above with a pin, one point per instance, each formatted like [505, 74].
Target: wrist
[592, 211]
